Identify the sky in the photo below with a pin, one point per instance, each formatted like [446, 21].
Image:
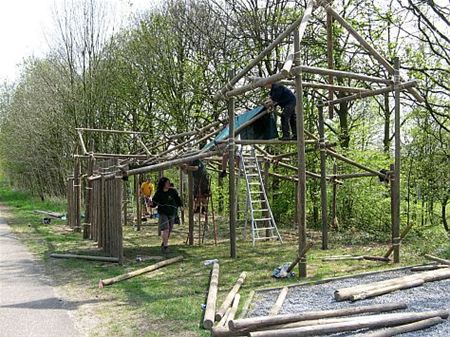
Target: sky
[24, 25]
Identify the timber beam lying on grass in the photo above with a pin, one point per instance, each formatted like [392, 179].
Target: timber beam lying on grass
[229, 299]
[85, 257]
[112, 280]
[437, 259]
[210, 310]
[359, 257]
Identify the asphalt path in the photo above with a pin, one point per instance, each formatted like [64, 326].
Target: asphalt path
[29, 306]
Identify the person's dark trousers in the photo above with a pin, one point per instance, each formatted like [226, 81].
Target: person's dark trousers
[288, 119]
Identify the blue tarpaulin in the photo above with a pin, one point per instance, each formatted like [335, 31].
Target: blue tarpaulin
[263, 128]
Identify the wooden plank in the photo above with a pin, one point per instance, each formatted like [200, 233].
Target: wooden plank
[85, 257]
[279, 302]
[210, 310]
[227, 302]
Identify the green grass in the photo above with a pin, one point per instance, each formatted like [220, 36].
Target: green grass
[168, 302]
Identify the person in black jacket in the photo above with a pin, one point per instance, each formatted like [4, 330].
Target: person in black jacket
[285, 98]
[168, 201]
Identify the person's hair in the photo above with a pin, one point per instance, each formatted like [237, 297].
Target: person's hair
[162, 182]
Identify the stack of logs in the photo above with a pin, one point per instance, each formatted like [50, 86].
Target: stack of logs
[327, 321]
[363, 291]
[228, 309]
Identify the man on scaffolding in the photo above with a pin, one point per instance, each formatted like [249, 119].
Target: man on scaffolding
[285, 98]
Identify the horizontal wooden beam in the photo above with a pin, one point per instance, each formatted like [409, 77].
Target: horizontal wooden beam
[370, 93]
[113, 131]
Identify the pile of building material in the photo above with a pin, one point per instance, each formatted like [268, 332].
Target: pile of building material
[326, 322]
[228, 309]
[367, 290]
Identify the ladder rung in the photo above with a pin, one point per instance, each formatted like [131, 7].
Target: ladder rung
[261, 210]
[266, 238]
[263, 219]
[254, 183]
[255, 201]
[252, 175]
[263, 229]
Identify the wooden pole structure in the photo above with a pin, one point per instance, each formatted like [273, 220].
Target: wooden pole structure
[210, 310]
[258, 58]
[396, 179]
[330, 62]
[232, 176]
[375, 92]
[227, 302]
[354, 163]
[334, 220]
[137, 193]
[365, 44]
[191, 207]
[402, 236]
[233, 309]
[301, 255]
[112, 280]
[301, 210]
[87, 200]
[181, 189]
[323, 178]
[77, 192]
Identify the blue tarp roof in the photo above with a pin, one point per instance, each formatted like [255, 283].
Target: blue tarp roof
[238, 121]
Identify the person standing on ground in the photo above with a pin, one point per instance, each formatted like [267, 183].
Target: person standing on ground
[167, 200]
[285, 98]
[147, 189]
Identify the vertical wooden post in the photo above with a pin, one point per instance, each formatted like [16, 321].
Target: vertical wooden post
[301, 208]
[334, 202]
[181, 194]
[220, 185]
[125, 201]
[88, 200]
[232, 177]
[396, 187]
[323, 179]
[137, 192]
[330, 60]
[77, 192]
[191, 207]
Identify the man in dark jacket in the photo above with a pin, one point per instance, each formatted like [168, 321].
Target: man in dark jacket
[285, 98]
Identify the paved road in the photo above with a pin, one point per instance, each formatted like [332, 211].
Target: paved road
[28, 304]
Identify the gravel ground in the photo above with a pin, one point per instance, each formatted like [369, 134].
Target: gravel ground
[430, 296]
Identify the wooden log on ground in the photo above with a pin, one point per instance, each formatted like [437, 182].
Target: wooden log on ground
[437, 259]
[363, 322]
[300, 256]
[429, 276]
[429, 267]
[210, 311]
[252, 323]
[224, 318]
[394, 331]
[50, 214]
[227, 302]
[376, 258]
[233, 309]
[387, 289]
[247, 303]
[279, 302]
[112, 280]
[342, 258]
[85, 257]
